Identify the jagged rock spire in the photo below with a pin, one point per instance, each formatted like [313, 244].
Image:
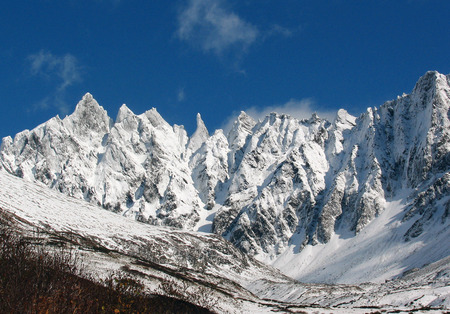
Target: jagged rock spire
[123, 113]
[199, 137]
[89, 118]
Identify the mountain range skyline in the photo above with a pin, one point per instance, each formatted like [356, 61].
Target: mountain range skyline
[280, 209]
[270, 187]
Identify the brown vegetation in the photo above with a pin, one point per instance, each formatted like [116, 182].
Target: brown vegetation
[33, 280]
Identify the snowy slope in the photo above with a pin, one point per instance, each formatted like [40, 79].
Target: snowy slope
[53, 211]
[378, 253]
[167, 253]
[345, 192]
[202, 264]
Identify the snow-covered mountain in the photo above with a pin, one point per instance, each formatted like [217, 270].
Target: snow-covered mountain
[205, 268]
[281, 189]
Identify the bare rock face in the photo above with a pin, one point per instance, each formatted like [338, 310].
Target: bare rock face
[267, 184]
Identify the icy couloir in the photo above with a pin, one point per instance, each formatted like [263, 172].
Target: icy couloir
[270, 186]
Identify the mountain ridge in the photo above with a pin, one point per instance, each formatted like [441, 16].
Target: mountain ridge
[268, 186]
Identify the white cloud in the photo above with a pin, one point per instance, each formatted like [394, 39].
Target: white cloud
[54, 100]
[213, 27]
[63, 70]
[280, 30]
[48, 65]
[300, 109]
[181, 95]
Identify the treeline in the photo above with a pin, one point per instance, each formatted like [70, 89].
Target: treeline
[35, 280]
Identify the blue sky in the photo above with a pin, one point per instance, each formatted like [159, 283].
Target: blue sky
[216, 57]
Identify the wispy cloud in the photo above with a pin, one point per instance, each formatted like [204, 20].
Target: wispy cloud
[181, 95]
[300, 109]
[278, 30]
[63, 70]
[213, 27]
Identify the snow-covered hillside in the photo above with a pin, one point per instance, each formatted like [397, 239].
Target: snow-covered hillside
[110, 243]
[304, 195]
[223, 278]
[378, 253]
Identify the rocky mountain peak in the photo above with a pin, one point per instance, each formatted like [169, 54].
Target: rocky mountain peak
[429, 84]
[199, 137]
[344, 118]
[89, 118]
[245, 120]
[201, 127]
[241, 128]
[87, 104]
[124, 113]
[156, 120]
[314, 118]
